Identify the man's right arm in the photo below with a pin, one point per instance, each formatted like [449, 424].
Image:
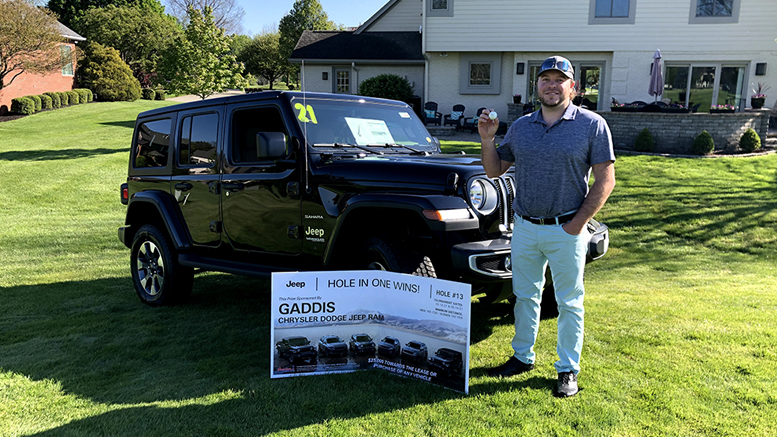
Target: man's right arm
[492, 164]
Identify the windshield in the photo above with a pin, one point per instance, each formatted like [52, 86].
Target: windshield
[333, 340]
[298, 341]
[447, 355]
[342, 123]
[363, 338]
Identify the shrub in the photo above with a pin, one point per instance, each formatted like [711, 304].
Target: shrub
[45, 101]
[387, 86]
[64, 98]
[88, 96]
[750, 141]
[36, 99]
[23, 106]
[703, 144]
[56, 103]
[160, 95]
[72, 97]
[644, 142]
[107, 75]
[83, 95]
[148, 94]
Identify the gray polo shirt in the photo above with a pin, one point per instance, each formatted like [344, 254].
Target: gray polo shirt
[553, 163]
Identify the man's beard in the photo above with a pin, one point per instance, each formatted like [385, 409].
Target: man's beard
[546, 104]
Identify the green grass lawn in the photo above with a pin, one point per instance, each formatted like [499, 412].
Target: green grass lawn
[681, 333]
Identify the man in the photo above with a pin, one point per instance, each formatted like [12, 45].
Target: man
[554, 150]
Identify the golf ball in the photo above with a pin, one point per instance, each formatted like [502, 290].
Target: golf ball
[492, 115]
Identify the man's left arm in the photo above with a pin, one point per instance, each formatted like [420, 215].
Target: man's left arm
[604, 182]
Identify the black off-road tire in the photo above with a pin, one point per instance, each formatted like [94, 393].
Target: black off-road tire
[380, 255]
[158, 277]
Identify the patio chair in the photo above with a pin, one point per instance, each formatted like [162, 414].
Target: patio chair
[471, 124]
[431, 115]
[453, 118]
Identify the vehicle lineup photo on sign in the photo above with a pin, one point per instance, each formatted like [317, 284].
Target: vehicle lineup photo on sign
[335, 322]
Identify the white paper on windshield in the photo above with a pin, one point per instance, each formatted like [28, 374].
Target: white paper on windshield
[368, 131]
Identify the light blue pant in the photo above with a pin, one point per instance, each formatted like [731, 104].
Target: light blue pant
[534, 247]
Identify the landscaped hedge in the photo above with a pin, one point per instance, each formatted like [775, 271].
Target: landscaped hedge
[160, 95]
[56, 102]
[72, 97]
[38, 102]
[23, 106]
[45, 101]
[50, 100]
[147, 94]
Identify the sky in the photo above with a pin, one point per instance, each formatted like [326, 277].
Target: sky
[261, 14]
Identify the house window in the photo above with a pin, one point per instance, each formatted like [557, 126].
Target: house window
[343, 81]
[714, 8]
[439, 8]
[480, 73]
[612, 11]
[714, 11]
[704, 85]
[67, 60]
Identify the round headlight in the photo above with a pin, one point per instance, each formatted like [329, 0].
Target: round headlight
[477, 194]
[483, 196]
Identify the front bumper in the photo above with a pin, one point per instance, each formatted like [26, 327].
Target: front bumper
[487, 260]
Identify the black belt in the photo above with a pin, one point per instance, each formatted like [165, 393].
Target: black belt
[560, 220]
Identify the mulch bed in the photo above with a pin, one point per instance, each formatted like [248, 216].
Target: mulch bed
[10, 117]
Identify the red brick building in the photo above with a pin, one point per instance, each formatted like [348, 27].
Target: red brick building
[32, 84]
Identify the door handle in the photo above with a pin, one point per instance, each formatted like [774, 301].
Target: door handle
[183, 186]
[232, 185]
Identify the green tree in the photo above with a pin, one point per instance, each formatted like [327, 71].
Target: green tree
[141, 35]
[29, 41]
[304, 15]
[69, 10]
[200, 62]
[262, 57]
[107, 75]
[227, 14]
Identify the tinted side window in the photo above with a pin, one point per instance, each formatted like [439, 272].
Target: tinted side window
[198, 140]
[153, 144]
[246, 123]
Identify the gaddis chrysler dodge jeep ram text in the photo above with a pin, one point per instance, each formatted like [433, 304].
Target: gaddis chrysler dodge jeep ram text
[290, 181]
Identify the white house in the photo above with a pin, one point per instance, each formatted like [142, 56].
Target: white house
[483, 52]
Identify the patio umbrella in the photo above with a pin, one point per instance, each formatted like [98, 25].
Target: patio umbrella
[656, 77]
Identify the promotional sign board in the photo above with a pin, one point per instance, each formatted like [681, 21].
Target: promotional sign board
[342, 321]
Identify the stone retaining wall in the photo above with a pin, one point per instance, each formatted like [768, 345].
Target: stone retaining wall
[674, 133]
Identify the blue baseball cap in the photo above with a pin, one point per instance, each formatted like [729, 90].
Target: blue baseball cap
[558, 63]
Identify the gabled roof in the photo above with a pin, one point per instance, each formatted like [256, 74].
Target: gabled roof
[327, 45]
[390, 4]
[69, 33]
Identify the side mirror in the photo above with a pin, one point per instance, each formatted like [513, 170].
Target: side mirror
[270, 145]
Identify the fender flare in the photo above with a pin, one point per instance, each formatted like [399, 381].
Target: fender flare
[169, 214]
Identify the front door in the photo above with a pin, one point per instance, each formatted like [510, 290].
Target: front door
[260, 195]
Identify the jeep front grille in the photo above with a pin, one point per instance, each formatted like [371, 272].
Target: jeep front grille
[505, 187]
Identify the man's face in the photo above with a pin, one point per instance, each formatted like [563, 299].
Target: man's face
[554, 89]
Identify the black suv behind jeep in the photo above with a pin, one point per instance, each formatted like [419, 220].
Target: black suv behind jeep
[290, 181]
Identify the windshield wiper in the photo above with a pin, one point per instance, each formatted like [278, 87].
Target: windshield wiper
[343, 146]
[390, 145]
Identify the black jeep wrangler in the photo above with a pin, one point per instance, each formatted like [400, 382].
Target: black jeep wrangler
[290, 181]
